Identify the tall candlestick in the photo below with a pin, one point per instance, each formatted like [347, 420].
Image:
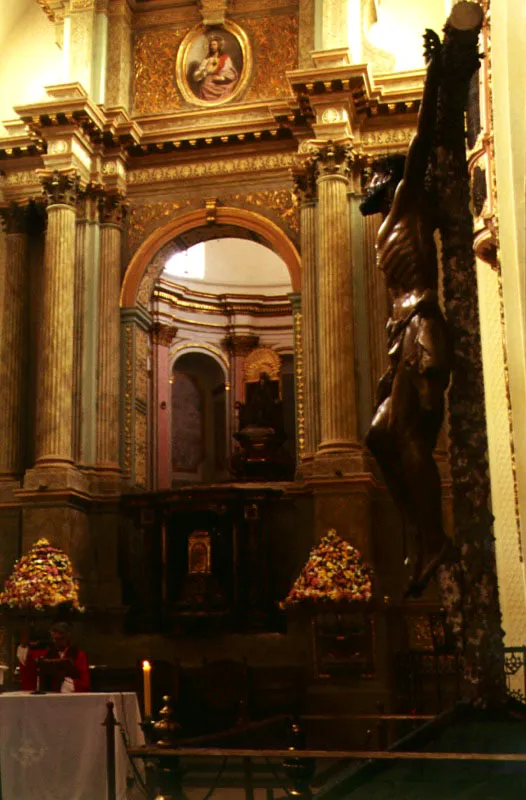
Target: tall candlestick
[146, 673]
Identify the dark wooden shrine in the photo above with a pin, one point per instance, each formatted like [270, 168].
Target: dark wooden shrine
[198, 558]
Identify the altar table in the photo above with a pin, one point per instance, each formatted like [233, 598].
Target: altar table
[53, 746]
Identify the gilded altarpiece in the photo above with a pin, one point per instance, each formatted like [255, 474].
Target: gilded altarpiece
[155, 53]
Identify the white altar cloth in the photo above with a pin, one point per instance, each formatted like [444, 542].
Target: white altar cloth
[53, 746]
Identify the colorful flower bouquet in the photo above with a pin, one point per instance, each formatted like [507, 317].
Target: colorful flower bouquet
[334, 572]
[43, 579]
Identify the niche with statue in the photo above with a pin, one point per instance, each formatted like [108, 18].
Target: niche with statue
[261, 426]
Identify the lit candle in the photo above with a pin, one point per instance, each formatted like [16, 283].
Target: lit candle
[146, 673]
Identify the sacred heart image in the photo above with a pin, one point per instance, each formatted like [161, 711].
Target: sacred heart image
[213, 64]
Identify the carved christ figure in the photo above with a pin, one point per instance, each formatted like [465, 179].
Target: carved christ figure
[216, 74]
[410, 403]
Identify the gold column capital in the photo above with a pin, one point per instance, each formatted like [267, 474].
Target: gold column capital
[112, 208]
[304, 182]
[334, 159]
[240, 344]
[60, 187]
[163, 334]
[22, 218]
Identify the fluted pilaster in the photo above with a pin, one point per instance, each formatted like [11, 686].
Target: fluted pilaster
[78, 331]
[54, 428]
[305, 188]
[13, 342]
[111, 209]
[338, 417]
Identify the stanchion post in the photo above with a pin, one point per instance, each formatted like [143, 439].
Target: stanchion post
[110, 723]
[300, 771]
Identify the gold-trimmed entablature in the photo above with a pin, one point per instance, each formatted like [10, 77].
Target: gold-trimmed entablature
[75, 133]
[252, 126]
[20, 158]
[349, 95]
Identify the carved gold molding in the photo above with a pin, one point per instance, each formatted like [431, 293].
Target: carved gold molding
[223, 307]
[386, 140]
[300, 381]
[213, 168]
[128, 399]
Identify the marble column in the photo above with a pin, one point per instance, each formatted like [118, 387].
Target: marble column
[338, 413]
[55, 417]
[13, 340]
[107, 437]
[305, 190]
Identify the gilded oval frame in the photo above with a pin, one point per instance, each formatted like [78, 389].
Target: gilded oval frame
[189, 44]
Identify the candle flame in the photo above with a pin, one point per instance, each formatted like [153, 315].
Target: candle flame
[146, 666]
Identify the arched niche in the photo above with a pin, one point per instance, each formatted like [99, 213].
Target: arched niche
[140, 350]
[198, 450]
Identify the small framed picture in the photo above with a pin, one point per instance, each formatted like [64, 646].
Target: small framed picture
[213, 64]
[199, 553]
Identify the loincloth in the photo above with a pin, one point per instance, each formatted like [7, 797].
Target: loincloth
[418, 341]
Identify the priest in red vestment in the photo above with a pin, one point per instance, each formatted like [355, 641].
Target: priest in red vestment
[63, 666]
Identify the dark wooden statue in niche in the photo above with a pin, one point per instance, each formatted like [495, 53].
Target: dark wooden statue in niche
[410, 403]
[261, 434]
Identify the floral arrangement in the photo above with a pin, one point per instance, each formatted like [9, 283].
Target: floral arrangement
[335, 571]
[41, 579]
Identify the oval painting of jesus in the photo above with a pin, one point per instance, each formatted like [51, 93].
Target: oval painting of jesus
[213, 64]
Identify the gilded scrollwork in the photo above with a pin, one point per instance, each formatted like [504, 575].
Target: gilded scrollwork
[128, 401]
[300, 380]
[141, 447]
[144, 218]
[280, 201]
[154, 71]
[141, 365]
[273, 55]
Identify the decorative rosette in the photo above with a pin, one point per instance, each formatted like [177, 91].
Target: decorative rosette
[41, 579]
[335, 571]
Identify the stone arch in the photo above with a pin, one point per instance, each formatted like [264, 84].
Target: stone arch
[275, 238]
[205, 349]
